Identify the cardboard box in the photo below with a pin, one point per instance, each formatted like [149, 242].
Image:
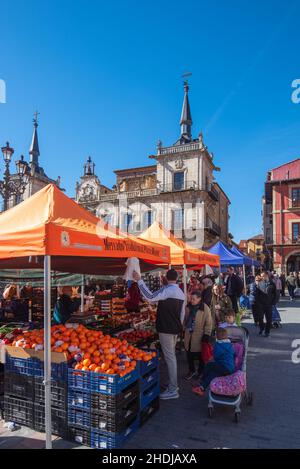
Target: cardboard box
[19, 352]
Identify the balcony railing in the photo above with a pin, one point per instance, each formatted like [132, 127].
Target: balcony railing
[213, 228]
[285, 241]
[296, 203]
[185, 186]
[212, 191]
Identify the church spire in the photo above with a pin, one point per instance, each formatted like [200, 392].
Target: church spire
[186, 118]
[34, 150]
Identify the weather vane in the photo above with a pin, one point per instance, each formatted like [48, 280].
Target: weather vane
[35, 117]
[185, 75]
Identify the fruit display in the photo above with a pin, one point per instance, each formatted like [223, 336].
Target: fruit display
[8, 334]
[90, 349]
[118, 306]
[136, 336]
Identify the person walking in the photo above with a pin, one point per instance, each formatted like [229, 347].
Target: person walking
[197, 330]
[233, 288]
[170, 317]
[283, 284]
[254, 299]
[220, 303]
[266, 300]
[291, 284]
[207, 290]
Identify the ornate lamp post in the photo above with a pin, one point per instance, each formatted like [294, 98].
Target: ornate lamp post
[13, 185]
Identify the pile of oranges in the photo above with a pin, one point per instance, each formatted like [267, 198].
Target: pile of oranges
[92, 350]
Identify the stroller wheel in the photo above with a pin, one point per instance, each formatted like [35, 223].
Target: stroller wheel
[237, 417]
[249, 398]
[210, 412]
[275, 325]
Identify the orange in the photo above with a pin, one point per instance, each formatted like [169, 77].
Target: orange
[98, 369]
[86, 362]
[78, 366]
[92, 367]
[85, 368]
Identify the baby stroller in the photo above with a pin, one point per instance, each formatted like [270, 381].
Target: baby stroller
[276, 319]
[229, 390]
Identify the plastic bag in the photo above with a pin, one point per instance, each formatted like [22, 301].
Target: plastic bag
[133, 264]
[206, 352]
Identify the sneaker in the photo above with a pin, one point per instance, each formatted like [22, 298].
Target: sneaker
[199, 391]
[169, 395]
[190, 375]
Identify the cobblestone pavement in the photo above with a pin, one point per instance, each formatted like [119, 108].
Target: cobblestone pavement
[272, 421]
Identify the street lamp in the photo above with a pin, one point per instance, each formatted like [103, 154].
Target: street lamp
[13, 185]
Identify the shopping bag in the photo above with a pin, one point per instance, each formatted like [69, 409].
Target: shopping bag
[206, 352]
[133, 264]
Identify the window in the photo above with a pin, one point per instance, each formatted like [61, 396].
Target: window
[296, 232]
[296, 197]
[148, 218]
[178, 219]
[179, 181]
[127, 221]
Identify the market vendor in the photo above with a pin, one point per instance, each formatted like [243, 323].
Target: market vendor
[65, 306]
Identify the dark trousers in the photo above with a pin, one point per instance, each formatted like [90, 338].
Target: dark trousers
[265, 311]
[192, 357]
[212, 370]
[256, 312]
[291, 290]
[234, 302]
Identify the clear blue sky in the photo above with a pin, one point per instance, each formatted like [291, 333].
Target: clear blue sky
[106, 79]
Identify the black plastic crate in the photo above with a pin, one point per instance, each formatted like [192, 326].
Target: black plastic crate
[1, 383]
[58, 392]
[58, 418]
[114, 402]
[19, 385]
[115, 422]
[149, 410]
[18, 411]
[79, 435]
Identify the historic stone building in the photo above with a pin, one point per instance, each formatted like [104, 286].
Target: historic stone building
[178, 189]
[37, 178]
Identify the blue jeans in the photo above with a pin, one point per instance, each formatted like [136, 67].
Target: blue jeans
[212, 370]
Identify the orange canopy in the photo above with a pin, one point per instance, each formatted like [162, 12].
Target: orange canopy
[181, 253]
[50, 223]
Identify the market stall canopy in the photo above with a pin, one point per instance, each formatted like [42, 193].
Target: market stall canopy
[245, 259]
[181, 253]
[50, 223]
[227, 257]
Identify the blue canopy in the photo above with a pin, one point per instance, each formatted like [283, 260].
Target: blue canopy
[246, 260]
[227, 257]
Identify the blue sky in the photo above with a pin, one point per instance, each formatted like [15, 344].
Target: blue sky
[106, 79]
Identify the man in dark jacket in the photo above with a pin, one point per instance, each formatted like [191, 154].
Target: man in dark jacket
[170, 316]
[65, 306]
[266, 299]
[233, 288]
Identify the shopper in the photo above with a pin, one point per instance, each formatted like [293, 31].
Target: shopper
[65, 306]
[170, 316]
[233, 288]
[220, 303]
[207, 290]
[266, 300]
[283, 284]
[277, 281]
[197, 329]
[254, 299]
[291, 285]
[222, 364]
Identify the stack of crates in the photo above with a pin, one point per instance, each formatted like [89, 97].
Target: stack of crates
[24, 394]
[149, 388]
[103, 410]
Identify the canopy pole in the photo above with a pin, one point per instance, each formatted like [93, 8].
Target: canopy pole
[244, 275]
[47, 350]
[253, 270]
[185, 284]
[82, 293]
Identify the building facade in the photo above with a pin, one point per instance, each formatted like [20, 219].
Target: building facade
[178, 189]
[281, 216]
[37, 178]
[254, 247]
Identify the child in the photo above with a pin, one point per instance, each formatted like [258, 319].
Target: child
[223, 363]
[197, 329]
[229, 319]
